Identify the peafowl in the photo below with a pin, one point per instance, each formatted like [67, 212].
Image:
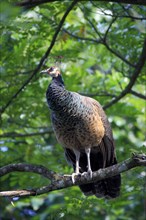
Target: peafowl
[82, 128]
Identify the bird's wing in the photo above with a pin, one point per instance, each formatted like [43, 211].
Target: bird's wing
[107, 144]
[101, 156]
[99, 110]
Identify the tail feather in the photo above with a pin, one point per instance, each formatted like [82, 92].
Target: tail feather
[108, 188]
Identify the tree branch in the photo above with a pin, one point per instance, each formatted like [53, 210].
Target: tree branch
[121, 16]
[108, 29]
[32, 3]
[138, 95]
[132, 2]
[137, 70]
[136, 73]
[43, 58]
[97, 94]
[98, 41]
[64, 181]
[101, 41]
[22, 167]
[15, 134]
[116, 53]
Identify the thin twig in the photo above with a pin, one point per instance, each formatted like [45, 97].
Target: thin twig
[132, 2]
[138, 94]
[97, 94]
[136, 73]
[15, 134]
[121, 16]
[99, 41]
[92, 25]
[108, 29]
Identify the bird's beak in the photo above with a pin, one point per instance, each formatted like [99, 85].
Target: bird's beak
[44, 71]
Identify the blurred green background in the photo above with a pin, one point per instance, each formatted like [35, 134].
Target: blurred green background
[100, 44]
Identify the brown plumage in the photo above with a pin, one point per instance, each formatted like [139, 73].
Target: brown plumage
[82, 128]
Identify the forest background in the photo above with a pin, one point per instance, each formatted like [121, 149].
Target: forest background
[99, 48]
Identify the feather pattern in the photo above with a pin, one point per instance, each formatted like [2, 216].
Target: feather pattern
[80, 124]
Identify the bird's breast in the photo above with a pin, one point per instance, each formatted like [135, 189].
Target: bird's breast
[79, 131]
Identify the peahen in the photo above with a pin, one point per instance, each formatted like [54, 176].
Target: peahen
[82, 128]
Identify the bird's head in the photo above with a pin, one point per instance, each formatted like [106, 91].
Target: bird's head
[53, 71]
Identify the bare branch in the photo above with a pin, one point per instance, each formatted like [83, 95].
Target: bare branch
[15, 134]
[61, 182]
[104, 93]
[138, 94]
[108, 29]
[122, 16]
[136, 73]
[98, 41]
[43, 58]
[22, 167]
[18, 193]
[92, 24]
[29, 4]
[132, 2]
[116, 53]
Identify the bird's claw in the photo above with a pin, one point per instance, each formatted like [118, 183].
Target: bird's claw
[73, 176]
[88, 174]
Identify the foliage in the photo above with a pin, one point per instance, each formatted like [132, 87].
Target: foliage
[100, 45]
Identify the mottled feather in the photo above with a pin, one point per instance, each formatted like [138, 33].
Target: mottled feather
[80, 123]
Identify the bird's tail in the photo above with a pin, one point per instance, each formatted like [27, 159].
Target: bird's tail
[108, 188]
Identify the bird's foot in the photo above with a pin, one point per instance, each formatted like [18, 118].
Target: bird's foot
[88, 174]
[73, 176]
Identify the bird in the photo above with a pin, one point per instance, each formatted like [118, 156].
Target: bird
[82, 128]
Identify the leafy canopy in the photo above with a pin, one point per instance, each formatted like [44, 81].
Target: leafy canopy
[100, 45]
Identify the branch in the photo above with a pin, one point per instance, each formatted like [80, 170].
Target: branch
[64, 181]
[138, 95]
[15, 134]
[101, 41]
[136, 73]
[98, 41]
[108, 29]
[116, 53]
[43, 58]
[92, 25]
[121, 16]
[32, 3]
[137, 70]
[22, 167]
[104, 93]
[132, 2]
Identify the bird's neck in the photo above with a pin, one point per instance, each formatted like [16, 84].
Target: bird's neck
[56, 94]
[58, 80]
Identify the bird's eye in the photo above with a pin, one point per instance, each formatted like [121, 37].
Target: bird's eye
[51, 69]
